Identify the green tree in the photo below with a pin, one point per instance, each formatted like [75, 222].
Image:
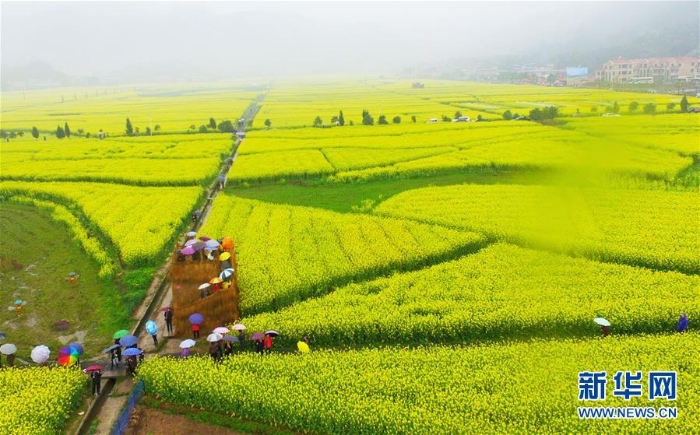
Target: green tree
[351, 123]
[203, 128]
[458, 114]
[148, 131]
[226, 127]
[367, 118]
[334, 119]
[156, 128]
[650, 108]
[446, 118]
[615, 108]
[594, 109]
[212, 123]
[60, 133]
[382, 120]
[3, 134]
[413, 118]
[129, 127]
[670, 106]
[341, 119]
[684, 104]
[507, 115]
[67, 130]
[268, 123]
[318, 122]
[80, 132]
[396, 120]
[35, 133]
[536, 114]
[634, 105]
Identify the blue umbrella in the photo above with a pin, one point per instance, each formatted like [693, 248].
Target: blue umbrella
[196, 319]
[79, 347]
[111, 348]
[128, 340]
[151, 327]
[132, 352]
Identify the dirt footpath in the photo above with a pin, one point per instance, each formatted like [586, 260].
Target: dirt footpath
[147, 421]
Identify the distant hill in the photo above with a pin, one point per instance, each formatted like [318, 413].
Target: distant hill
[37, 75]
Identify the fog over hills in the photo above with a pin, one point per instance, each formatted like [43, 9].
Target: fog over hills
[139, 41]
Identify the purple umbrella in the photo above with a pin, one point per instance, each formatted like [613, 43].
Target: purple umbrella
[204, 238]
[230, 338]
[257, 336]
[190, 242]
[187, 251]
[196, 319]
[212, 244]
[198, 246]
[128, 340]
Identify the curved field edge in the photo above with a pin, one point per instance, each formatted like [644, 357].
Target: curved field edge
[437, 390]
[89, 242]
[501, 292]
[140, 222]
[288, 253]
[644, 228]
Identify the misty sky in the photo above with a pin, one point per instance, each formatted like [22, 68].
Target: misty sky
[284, 38]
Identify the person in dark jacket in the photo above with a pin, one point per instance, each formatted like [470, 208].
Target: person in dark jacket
[131, 365]
[115, 359]
[228, 349]
[259, 346]
[119, 351]
[96, 377]
[682, 323]
[241, 339]
[169, 321]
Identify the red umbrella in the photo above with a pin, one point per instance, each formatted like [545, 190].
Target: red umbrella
[166, 309]
[93, 368]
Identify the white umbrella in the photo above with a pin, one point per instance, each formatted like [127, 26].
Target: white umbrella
[226, 273]
[601, 321]
[192, 234]
[8, 349]
[186, 344]
[239, 327]
[212, 244]
[214, 337]
[272, 332]
[205, 285]
[40, 354]
[221, 330]
[190, 242]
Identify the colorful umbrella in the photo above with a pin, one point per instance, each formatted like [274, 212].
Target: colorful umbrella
[40, 354]
[8, 349]
[128, 340]
[77, 346]
[214, 337]
[151, 327]
[187, 251]
[93, 368]
[132, 352]
[230, 338]
[257, 336]
[119, 334]
[221, 330]
[216, 280]
[186, 344]
[272, 333]
[225, 256]
[67, 356]
[196, 319]
[226, 274]
[239, 327]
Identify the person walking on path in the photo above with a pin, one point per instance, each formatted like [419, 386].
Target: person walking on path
[221, 180]
[241, 339]
[259, 346]
[195, 331]
[115, 359]
[96, 377]
[682, 323]
[119, 351]
[169, 321]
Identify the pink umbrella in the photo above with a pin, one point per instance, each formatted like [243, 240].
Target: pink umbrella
[187, 251]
